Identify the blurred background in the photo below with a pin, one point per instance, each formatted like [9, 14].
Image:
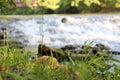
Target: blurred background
[58, 6]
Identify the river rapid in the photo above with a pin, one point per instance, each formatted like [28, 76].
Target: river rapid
[49, 30]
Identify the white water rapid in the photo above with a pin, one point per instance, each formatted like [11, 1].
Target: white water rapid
[104, 29]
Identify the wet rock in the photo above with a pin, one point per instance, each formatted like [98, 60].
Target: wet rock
[3, 28]
[98, 48]
[62, 53]
[65, 52]
[64, 20]
[70, 50]
[114, 52]
[102, 47]
[1, 34]
[94, 50]
[45, 50]
[69, 47]
[86, 49]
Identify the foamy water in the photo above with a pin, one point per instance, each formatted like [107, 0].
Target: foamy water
[104, 29]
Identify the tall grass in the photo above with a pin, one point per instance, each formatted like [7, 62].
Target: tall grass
[17, 65]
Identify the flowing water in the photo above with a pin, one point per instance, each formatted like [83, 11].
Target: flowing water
[49, 30]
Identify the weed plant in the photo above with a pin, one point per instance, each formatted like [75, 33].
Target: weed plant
[17, 65]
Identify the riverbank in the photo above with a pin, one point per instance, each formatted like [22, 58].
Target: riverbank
[40, 15]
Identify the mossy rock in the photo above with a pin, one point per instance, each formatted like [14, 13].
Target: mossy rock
[48, 61]
[62, 53]
[45, 50]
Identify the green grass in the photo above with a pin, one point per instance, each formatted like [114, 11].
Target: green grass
[17, 65]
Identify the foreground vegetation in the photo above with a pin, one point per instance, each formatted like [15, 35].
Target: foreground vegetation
[18, 65]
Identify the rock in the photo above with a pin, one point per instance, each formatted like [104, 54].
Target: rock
[1, 34]
[102, 47]
[86, 46]
[45, 50]
[49, 62]
[97, 48]
[68, 47]
[94, 50]
[62, 53]
[3, 28]
[64, 20]
[65, 52]
[114, 52]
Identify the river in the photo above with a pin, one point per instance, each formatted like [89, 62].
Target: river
[49, 30]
